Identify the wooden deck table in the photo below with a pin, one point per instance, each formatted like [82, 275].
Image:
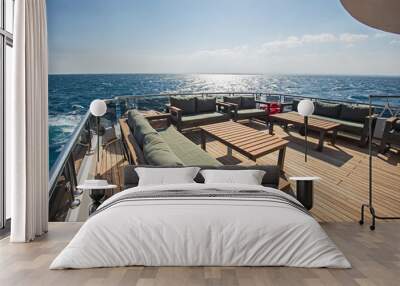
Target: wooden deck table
[319, 125]
[247, 141]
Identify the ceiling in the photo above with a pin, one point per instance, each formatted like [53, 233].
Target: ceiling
[380, 14]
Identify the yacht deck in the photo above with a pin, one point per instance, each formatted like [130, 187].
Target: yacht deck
[343, 169]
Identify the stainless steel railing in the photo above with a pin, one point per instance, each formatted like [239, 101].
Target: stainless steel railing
[63, 174]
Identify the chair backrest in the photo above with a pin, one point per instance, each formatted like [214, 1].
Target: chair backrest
[186, 103]
[242, 101]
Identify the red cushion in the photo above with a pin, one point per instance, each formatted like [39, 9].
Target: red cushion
[274, 105]
[271, 108]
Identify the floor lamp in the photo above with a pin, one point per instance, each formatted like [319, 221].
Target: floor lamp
[305, 108]
[98, 108]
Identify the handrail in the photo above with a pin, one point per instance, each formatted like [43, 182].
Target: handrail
[263, 93]
[62, 159]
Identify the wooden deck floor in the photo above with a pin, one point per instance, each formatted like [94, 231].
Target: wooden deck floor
[343, 170]
[374, 257]
[111, 163]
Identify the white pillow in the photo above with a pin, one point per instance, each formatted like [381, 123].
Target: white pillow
[166, 176]
[242, 177]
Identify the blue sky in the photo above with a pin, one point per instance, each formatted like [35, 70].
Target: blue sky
[215, 36]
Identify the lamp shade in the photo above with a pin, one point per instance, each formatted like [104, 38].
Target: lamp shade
[98, 107]
[305, 107]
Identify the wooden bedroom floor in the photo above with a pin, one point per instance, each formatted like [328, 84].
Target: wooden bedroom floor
[375, 258]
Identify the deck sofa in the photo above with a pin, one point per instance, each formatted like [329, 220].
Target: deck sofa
[353, 119]
[245, 107]
[161, 147]
[192, 111]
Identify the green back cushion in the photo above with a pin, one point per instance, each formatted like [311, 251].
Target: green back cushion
[295, 102]
[327, 109]
[248, 102]
[132, 114]
[186, 103]
[157, 152]
[233, 99]
[141, 129]
[205, 104]
[354, 113]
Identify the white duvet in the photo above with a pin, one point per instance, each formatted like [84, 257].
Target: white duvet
[200, 231]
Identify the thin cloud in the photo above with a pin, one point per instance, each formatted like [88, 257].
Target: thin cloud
[276, 46]
[324, 38]
[278, 53]
[352, 38]
[231, 52]
[319, 38]
[381, 35]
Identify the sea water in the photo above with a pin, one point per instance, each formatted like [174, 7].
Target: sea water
[70, 95]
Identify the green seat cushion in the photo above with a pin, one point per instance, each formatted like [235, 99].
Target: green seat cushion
[204, 117]
[141, 129]
[205, 104]
[233, 99]
[327, 109]
[354, 113]
[132, 114]
[248, 102]
[340, 121]
[188, 152]
[347, 126]
[186, 103]
[246, 113]
[157, 152]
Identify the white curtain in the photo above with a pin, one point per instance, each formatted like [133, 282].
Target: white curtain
[26, 124]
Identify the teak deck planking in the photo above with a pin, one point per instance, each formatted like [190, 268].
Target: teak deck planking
[343, 169]
[111, 163]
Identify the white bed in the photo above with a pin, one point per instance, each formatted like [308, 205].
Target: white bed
[207, 230]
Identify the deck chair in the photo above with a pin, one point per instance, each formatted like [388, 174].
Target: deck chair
[391, 134]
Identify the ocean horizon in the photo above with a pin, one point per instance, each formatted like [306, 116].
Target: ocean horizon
[70, 94]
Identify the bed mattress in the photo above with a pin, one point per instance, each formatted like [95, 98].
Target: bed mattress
[201, 225]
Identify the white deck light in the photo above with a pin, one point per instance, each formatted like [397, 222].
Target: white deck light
[98, 107]
[305, 108]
